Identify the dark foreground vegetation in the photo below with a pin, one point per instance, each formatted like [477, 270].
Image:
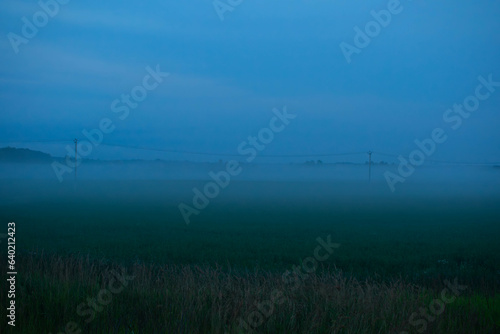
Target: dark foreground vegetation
[117, 258]
[204, 299]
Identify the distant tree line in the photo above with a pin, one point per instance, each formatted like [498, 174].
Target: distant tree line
[12, 154]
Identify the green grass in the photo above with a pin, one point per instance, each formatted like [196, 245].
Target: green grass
[394, 255]
[204, 299]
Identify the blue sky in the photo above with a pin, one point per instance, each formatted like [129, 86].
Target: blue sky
[227, 76]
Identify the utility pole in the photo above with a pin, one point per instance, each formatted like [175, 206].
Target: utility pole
[370, 166]
[76, 157]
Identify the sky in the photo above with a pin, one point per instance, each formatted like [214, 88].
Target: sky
[227, 75]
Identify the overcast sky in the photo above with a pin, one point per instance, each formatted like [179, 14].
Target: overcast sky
[226, 76]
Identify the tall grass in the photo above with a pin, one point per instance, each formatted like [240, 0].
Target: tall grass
[213, 299]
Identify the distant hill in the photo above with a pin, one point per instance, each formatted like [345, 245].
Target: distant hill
[12, 154]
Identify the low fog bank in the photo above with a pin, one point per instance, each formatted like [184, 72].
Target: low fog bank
[280, 184]
[159, 170]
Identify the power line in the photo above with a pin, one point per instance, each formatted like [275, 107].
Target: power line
[196, 152]
[458, 163]
[386, 154]
[232, 154]
[219, 154]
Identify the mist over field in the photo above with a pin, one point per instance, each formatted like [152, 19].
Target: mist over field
[181, 229]
[437, 232]
[326, 182]
[237, 166]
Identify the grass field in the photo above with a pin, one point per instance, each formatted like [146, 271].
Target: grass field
[394, 255]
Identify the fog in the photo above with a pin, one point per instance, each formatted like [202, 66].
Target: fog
[209, 145]
[172, 183]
